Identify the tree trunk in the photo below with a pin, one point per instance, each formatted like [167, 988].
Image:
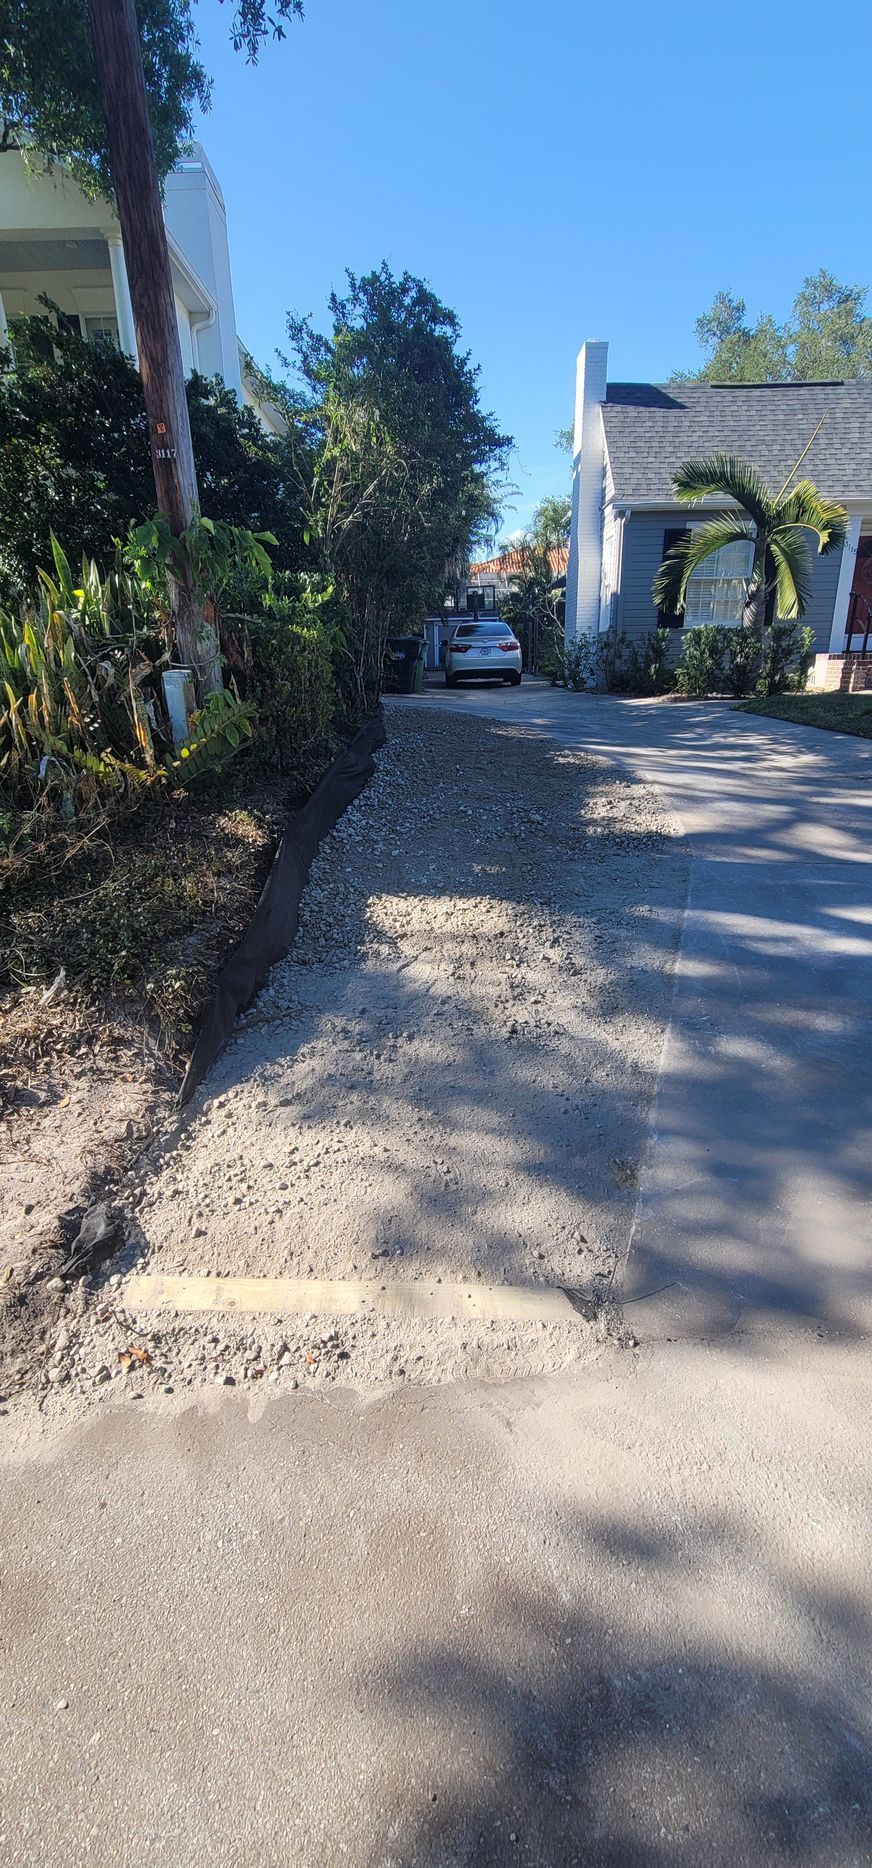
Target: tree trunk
[754, 609]
[137, 191]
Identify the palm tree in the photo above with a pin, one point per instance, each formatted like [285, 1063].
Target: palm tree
[779, 526]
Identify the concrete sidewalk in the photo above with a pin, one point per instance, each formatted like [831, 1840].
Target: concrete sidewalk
[618, 1620]
[755, 1211]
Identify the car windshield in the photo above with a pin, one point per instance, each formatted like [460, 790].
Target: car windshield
[482, 629]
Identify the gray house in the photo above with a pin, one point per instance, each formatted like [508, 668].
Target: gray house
[630, 437]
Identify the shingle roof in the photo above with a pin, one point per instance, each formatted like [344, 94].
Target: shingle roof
[651, 427]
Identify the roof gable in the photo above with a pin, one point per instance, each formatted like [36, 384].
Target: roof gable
[650, 428]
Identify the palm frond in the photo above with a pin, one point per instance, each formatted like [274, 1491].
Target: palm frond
[670, 583]
[730, 477]
[804, 505]
[791, 555]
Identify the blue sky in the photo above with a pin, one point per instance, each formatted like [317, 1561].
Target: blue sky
[555, 171]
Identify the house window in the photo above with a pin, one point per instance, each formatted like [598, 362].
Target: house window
[102, 330]
[481, 599]
[716, 590]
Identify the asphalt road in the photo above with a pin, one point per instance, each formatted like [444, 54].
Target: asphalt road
[613, 1617]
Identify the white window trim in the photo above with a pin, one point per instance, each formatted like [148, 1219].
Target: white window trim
[702, 575]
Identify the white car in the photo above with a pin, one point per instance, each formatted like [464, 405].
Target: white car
[483, 649]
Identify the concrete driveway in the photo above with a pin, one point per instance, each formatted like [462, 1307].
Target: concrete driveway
[756, 1207]
[616, 1617]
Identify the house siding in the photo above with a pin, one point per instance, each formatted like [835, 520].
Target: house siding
[643, 553]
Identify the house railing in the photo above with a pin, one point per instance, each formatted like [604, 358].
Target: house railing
[858, 628]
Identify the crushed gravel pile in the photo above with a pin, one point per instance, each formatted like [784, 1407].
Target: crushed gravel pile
[448, 1079]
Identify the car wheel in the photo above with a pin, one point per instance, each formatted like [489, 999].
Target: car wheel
[515, 680]
[451, 681]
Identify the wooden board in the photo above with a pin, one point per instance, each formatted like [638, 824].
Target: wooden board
[520, 1303]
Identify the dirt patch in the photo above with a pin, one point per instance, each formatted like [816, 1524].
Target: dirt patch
[108, 949]
[448, 1079]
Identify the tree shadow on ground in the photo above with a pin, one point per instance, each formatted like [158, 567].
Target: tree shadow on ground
[638, 1730]
[764, 1086]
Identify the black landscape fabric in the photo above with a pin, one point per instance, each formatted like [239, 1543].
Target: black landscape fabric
[272, 929]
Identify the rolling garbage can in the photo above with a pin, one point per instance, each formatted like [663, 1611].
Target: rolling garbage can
[402, 665]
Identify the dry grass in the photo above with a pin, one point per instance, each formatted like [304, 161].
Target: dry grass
[111, 942]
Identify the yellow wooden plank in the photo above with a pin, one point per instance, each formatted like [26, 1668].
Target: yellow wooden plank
[519, 1303]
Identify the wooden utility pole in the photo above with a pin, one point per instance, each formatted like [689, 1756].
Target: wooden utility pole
[120, 75]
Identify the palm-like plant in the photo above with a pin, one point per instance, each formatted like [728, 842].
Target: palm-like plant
[780, 527]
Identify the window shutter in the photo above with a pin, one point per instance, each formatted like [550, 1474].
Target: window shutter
[667, 619]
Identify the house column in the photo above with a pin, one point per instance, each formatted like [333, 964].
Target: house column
[584, 570]
[121, 292]
[4, 328]
[843, 587]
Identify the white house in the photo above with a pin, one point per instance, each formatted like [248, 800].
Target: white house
[55, 240]
[629, 439]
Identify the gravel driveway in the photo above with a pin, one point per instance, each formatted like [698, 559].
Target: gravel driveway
[449, 1079]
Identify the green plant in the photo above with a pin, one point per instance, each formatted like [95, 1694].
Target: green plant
[218, 730]
[579, 663]
[774, 527]
[286, 656]
[74, 458]
[701, 668]
[206, 556]
[82, 718]
[828, 336]
[49, 96]
[396, 458]
[643, 665]
[743, 657]
[551, 653]
[787, 655]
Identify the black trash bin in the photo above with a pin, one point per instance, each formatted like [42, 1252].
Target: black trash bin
[401, 664]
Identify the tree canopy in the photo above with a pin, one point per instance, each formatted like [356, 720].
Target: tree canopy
[828, 335]
[400, 464]
[74, 457]
[49, 98]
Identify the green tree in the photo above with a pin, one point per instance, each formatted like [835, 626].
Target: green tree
[74, 456]
[828, 335]
[398, 462]
[49, 98]
[778, 526]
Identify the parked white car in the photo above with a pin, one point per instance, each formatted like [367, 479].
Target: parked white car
[480, 649]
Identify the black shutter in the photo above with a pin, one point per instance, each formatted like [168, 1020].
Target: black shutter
[667, 619]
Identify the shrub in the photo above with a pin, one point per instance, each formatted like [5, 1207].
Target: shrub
[579, 662]
[701, 668]
[551, 654]
[82, 720]
[646, 665]
[787, 657]
[285, 656]
[569, 664]
[74, 456]
[743, 657]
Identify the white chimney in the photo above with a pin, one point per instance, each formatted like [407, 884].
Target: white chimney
[584, 571]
